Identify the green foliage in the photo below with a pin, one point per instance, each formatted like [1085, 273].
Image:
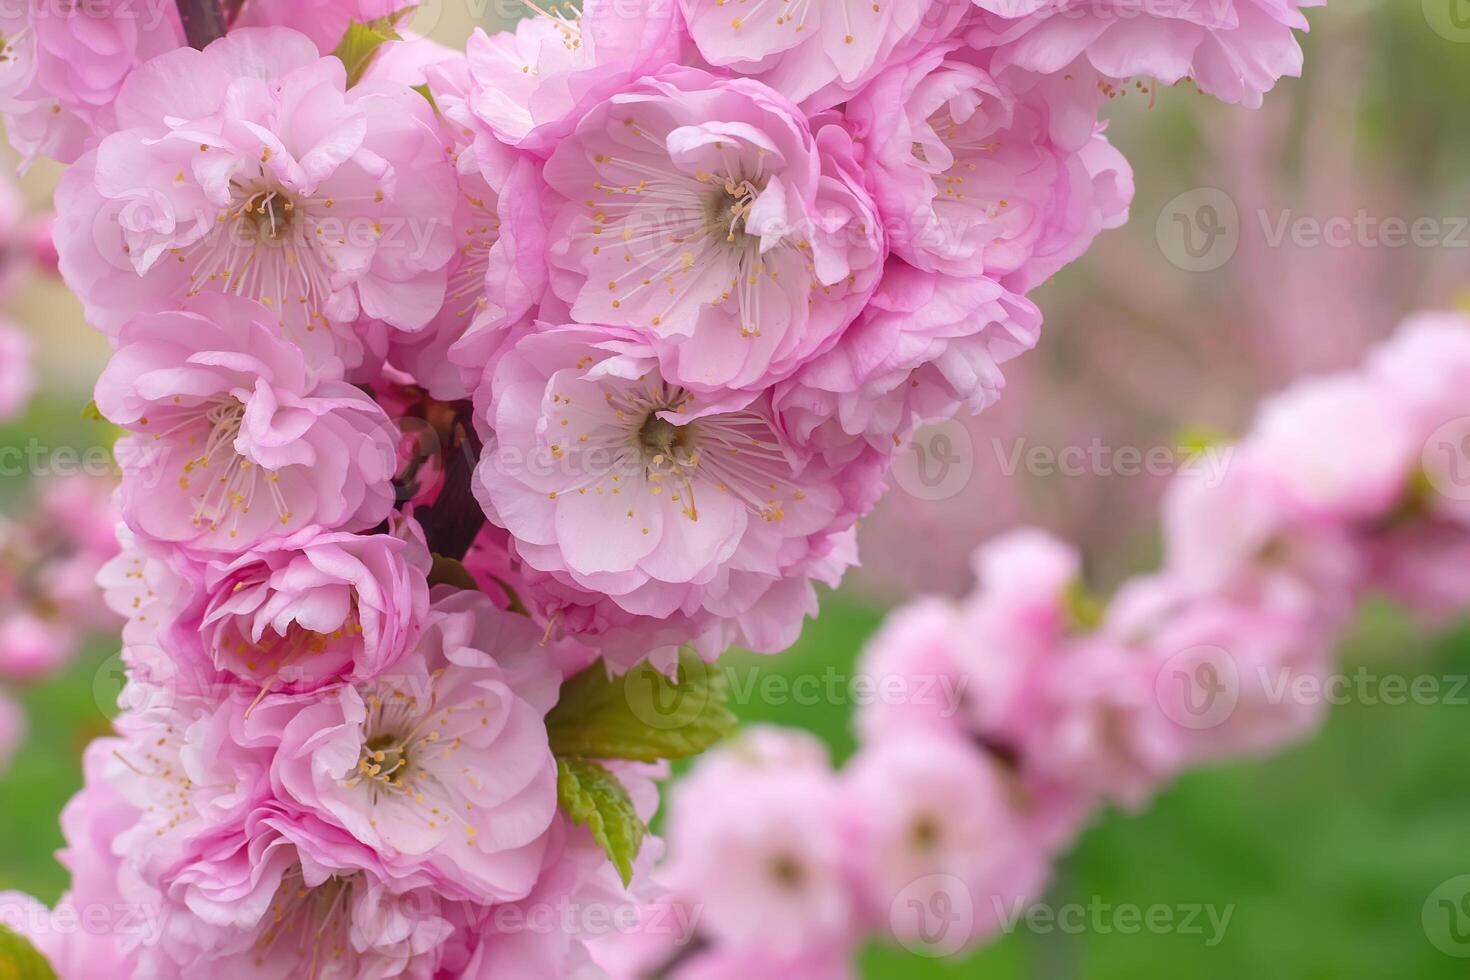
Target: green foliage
[19, 959]
[642, 716]
[360, 44]
[594, 798]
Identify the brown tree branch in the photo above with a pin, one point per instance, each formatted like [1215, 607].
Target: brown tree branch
[204, 21]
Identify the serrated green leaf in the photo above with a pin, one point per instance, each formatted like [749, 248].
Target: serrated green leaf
[642, 716]
[19, 959]
[362, 40]
[594, 798]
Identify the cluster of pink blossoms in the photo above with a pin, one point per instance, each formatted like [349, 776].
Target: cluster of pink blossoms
[446, 374]
[1004, 721]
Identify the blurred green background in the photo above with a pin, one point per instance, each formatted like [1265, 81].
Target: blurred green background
[1326, 853]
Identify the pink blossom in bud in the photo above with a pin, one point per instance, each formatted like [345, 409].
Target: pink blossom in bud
[311, 610]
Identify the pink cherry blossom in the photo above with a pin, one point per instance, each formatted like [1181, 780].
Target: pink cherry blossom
[263, 909]
[975, 178]
[529, 86]
[33, 646]
[265, 177]
[817, 51]
[578, 899]
[707, 216]
[324, 21]
[1017, 623]
[1335, 448]
[1235, 534]
[1234, 51]
[66, 64]
[1225, 673]
[917, 645]
[235, 439]
[753, 845]
[438, 774]
[927, 347]
[936, 816]
[312, 609]
[495, 275]
[648, 503]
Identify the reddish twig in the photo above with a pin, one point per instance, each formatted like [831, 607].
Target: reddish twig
[204, 21]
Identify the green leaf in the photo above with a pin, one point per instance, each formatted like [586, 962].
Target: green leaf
[1084, 610]
[363, 39]
[447, 571]
[92, 412]
[594, 798]
[642, 716]
[20, 961]
[427, 94]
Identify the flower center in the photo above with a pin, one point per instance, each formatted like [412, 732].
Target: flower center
[659, 436]
[271, 214]
[925, 833]
[787, 872]
[384, 759]
[311, 923]
[726, 211]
